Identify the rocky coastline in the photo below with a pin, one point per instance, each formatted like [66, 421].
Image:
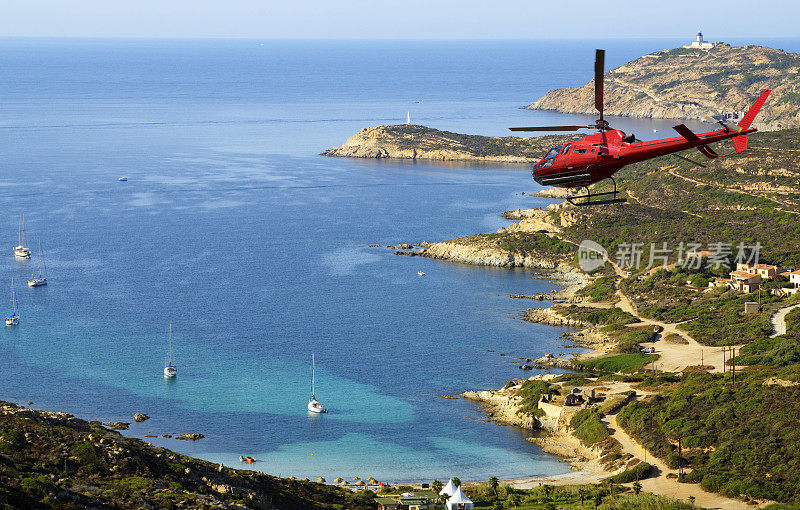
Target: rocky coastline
[692, 83]
[55, 460]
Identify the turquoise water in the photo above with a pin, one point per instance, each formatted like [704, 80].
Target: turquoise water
[257, 250]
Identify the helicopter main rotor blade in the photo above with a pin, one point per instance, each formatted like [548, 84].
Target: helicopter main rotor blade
[549, 128]
[599, 67]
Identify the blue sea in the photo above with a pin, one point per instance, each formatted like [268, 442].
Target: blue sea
[257, 250]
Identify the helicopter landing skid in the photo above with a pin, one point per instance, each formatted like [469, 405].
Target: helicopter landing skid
[597, 198]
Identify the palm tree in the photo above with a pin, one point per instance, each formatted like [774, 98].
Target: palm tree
[637, 487]
[457, 481]
[437, 486]
[494, 483]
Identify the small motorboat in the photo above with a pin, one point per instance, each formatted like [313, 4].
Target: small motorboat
[247, 459]
[421, 273]
[123, 179]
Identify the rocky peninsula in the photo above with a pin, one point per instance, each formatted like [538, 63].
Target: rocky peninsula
[685, 83]
[420, 142]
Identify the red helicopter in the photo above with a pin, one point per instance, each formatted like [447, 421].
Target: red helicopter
[599, 156]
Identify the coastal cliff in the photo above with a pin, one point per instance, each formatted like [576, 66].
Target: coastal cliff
[420, 142]
[687, 83]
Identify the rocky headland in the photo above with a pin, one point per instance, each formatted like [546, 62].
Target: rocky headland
[687, 83]
[55, 460]
[420, 142]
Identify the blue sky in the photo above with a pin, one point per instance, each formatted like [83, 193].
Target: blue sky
[459, 19]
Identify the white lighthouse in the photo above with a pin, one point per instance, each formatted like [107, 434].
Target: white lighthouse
[700, 43]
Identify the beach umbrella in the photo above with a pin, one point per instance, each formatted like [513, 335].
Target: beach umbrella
[360, 482]
[305, 480]
[321, 480]
[372, 481]
[338, 479]
[344, 482]
[292, 478]
[356, 478]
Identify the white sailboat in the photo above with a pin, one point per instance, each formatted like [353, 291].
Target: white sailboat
[20, 251]
[13, 319]
[170, 370]
[313, 404]
[38, 281]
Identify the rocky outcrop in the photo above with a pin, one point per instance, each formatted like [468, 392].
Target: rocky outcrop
[420, 142]
[692, 83]
[140, 417]
[465, 253]
[190, 437]
[504, 407]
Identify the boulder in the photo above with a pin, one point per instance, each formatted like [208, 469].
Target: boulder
[140, 417]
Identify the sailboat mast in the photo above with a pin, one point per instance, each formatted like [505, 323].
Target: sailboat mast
[13, 298]
[41, 258]
[170, 343]
[313, 375]
[19, 232]
[22, 239]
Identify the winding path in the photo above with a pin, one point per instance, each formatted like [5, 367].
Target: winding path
[778, 320]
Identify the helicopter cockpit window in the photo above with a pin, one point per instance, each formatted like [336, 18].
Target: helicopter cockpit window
[566, 149]
[579, 151]
[553, 152]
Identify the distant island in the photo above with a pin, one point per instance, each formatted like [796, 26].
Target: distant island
[690, 83]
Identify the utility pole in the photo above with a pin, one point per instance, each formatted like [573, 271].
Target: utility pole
[724, 360]
[733, 366]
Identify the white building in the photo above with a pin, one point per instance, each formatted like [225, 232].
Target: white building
[700, 43]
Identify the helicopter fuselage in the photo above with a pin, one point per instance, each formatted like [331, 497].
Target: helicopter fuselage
[601, 155]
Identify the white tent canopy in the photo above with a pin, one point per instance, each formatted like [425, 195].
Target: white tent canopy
[459, 501]
[448, 489]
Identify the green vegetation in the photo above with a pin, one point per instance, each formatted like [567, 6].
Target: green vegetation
[741, 440]
[607, 496]
[618, 362]
[602, 289]
[638, 472]
[778, 351]
[588, 427]
[600, 316]
[532, 392]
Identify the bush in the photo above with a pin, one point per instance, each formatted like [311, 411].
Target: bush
[588, 427]
[91, 458]
[776, 351]
[638, 472]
